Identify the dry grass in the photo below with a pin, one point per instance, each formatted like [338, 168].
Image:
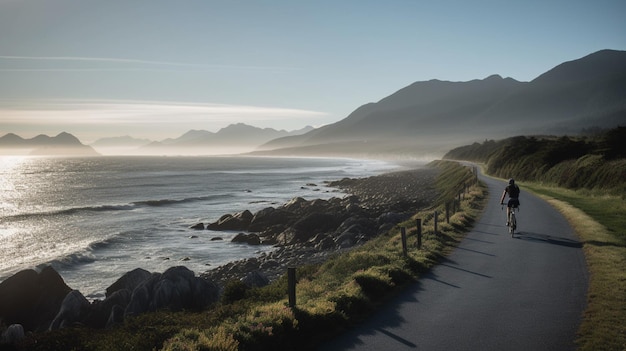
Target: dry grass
[604, 321]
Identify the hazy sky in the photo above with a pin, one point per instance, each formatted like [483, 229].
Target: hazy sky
[157, 68]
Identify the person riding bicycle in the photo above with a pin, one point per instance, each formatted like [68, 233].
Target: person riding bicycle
[513, 191]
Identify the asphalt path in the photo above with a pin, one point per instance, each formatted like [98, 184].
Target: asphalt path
[493, 292]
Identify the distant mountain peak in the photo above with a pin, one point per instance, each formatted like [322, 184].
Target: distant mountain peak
[62, 144]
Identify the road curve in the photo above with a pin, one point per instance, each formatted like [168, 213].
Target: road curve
[493, 292]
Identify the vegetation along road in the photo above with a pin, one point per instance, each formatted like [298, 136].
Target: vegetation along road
[493, 292]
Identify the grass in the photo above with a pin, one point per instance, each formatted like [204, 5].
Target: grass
[330, 297]
[599, 222]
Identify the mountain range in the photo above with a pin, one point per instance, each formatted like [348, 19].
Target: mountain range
[232, 139]
[433, 116]
[238, 135]
[423, 119]
[64, 144]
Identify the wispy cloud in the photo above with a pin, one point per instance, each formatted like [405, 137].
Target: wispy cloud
[121, 112]
[121, 64]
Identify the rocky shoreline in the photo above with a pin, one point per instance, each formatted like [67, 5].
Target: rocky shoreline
[303, 232]
[308, 232]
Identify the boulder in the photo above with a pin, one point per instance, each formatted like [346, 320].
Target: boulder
[294, 205]
[197, 226]
[74, 307]
[32, 299]
[128, 281]
[142, 296]
[13, 334]
[106, 313]
[268, 217]
[177, 288]
[250, 239]
[255, 279]
[238, 221]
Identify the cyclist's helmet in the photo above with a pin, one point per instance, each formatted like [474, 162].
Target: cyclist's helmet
[511, 181]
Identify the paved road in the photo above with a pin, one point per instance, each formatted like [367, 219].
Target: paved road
[493, 292]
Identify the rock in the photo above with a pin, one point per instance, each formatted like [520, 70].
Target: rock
[177, 288]
[268, 217]
[294, 205]
[255, 279]
[346, 240]
[238, 221]
[312, 224]
[116, 316]
[141, 296]
[198, 226]
[73, 307]
[13, 334]
[32, 299]
[217, 238]
[250, 239]
[128, 281]
[204, 293]
[110, 311]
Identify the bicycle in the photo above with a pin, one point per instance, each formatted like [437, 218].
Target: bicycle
[512, 220]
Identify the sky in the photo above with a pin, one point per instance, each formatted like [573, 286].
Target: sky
[158, 68]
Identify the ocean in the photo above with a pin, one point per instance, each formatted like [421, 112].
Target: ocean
[94, 219]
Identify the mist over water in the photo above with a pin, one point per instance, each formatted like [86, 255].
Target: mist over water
[94, 219]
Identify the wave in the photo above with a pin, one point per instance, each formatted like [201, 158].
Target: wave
[113, 208]
[69, 261]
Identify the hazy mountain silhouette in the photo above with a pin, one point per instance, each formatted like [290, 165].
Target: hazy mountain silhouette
[240, 136]
[436, 115]
[62, 144]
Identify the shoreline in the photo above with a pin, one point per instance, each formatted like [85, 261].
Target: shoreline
[373, 205]
[303, 232]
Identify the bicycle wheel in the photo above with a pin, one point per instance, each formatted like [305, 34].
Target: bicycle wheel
[513, 225]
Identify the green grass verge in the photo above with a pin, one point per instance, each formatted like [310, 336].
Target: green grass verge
[600, 223]
[330, 297]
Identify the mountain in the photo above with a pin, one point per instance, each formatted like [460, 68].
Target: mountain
[238, 137]
[64, 144]
[435, 115]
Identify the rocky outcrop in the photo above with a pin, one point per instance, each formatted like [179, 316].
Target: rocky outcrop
[42, 301]
[176, 289]
[32, 299]
[13, 334]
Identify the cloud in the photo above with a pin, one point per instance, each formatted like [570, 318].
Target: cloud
[122, 112]
[119, 64]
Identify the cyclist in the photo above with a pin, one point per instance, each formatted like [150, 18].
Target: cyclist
[513, 191]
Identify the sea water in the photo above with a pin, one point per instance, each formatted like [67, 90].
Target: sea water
[93, 219]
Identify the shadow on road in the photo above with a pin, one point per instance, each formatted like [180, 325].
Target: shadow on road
[381, 321]
[548, 239]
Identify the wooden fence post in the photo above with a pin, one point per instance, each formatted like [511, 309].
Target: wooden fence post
[448, 212]
[435, 225]
[419, 233]
[291, 286]
[403, 235]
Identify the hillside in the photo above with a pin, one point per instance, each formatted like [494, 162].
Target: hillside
[592, 162]
[437, 115]
[64, 144]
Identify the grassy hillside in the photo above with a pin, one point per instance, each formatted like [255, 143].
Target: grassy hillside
[593, 162]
